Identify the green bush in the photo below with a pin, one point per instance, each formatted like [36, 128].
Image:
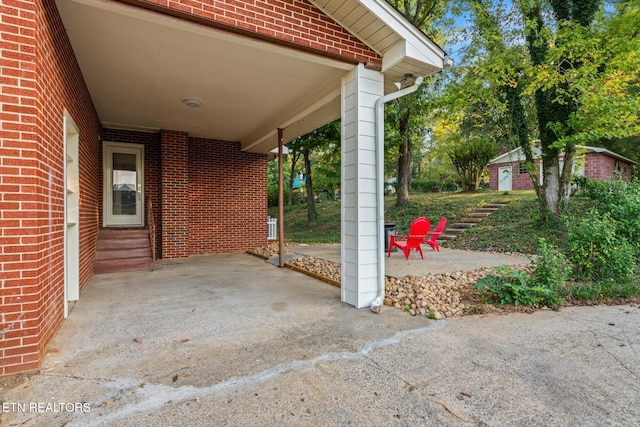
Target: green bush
[598, 252]
[621, 200]
[514, 287]
[551, 268]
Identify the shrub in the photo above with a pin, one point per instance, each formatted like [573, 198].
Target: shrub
[513, 287]
[597, 251]
[551, 268]
[621, 200]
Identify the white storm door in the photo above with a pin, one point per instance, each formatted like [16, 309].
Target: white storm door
[123, 192]
[504, 178]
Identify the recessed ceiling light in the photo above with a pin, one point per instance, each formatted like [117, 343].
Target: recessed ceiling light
[192, 102]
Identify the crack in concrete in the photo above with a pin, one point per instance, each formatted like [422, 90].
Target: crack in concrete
[154, 396]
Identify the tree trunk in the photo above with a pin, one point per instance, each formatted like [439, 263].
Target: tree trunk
[311, 205]
[565, 176]
[551, 185]
[405, 162]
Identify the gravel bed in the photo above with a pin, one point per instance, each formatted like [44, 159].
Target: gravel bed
[436, 296]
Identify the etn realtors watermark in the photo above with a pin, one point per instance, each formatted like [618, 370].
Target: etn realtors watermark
[42, 407]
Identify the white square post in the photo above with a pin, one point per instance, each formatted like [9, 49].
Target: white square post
[361, 88]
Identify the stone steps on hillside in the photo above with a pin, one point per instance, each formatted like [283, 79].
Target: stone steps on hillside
[470, 220]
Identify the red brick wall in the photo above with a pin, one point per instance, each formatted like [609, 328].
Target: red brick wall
[292, 21]
[225, 207]
[601, 166]
[40, 79]
[518, 181]
[174, 155]
[227, 198]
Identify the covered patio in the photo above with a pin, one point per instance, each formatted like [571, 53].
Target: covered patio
[195, 75]
[110, 103]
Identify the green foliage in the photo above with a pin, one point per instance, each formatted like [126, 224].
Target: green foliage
[326, 228]
[551, 268]
[470, 158]
[621, 200]
[419, 186]
[518, 288]
[516, 227]
[607, 290]
[597, 251]
[604, 243]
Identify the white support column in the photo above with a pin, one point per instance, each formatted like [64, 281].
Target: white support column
[361, 88]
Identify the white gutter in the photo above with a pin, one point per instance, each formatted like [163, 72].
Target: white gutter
[376, 304]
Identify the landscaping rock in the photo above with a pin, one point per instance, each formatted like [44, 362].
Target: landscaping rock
[436, 296]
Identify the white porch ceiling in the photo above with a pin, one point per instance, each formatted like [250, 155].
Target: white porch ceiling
[139, 65]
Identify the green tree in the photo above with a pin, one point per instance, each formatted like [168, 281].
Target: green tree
[470, 158]
[563, 72]
[316, 140]
[405, 117]
[584, 81]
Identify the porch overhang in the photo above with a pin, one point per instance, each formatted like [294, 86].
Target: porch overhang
[140, 63]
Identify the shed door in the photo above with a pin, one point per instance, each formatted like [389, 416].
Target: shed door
[504, 178]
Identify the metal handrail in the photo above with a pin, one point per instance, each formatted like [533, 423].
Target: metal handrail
[152, 232]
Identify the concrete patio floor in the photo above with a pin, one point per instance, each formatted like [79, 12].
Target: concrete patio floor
[233, 340]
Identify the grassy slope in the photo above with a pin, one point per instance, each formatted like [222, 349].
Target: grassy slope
[514, 228]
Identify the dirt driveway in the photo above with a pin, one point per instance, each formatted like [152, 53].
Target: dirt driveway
[233, 340]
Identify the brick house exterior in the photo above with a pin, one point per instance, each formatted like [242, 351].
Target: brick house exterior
[506, 172]
[209, 192]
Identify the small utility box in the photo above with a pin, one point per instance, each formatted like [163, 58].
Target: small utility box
[389, 229]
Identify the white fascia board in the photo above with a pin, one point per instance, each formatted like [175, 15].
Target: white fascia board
[514, 155]
[405, 29]
[403, 50]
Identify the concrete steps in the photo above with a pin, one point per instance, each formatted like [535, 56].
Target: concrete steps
[122, 249]
[470, 220]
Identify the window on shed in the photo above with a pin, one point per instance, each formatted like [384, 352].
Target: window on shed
[522, 169]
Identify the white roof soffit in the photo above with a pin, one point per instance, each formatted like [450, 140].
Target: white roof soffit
[403, 47]
[140, 65]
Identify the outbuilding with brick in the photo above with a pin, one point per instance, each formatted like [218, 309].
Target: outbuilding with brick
[508, 172]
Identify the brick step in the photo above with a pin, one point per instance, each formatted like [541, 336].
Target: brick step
[129, 264]
[487, 210]
[122, 233]
[122, 249]
[122, 244]
[494, 205]
[118, 254]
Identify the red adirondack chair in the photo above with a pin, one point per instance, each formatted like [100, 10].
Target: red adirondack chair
[417, 232]
[432, 236]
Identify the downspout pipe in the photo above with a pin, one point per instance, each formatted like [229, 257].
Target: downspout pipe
[376, 304]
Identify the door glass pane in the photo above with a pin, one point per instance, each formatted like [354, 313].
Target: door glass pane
[124, 184]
